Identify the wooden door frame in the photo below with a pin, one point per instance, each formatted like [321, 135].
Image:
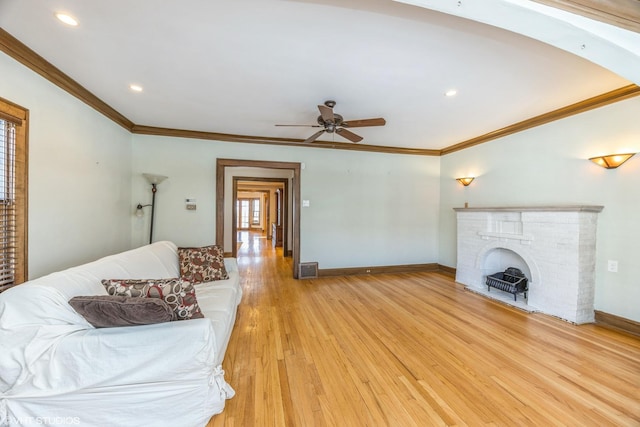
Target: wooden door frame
[222, 164]
[285, 214]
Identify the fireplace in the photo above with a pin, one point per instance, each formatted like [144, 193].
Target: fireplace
[554, 246]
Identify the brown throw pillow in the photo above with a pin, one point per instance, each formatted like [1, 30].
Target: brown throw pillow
[179, 294]
[105, 311]
[205, 264]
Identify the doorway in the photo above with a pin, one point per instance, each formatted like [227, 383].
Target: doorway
[262, 204]
[224, 210]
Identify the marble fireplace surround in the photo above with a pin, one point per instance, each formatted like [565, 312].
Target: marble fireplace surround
[555, 246]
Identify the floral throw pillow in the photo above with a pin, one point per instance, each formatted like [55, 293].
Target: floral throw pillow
[205, 264]
[179, 294]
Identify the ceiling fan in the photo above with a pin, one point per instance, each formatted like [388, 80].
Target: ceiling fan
[331, 122]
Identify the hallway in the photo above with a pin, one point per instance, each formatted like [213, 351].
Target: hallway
[258, 258]
[255, 244]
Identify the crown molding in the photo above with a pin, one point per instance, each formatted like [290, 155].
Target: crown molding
[601, 100]
[27, 57]
[290, 142]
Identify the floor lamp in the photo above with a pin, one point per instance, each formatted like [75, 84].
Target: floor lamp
[154, 180]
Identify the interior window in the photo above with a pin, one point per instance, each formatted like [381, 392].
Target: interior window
[13, 194]
[255, 212]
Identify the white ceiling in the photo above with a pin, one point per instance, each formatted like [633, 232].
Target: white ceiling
[242, 66]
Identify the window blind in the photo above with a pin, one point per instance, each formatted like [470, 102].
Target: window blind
[7, 204]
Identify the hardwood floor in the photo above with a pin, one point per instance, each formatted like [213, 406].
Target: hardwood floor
[413, 349]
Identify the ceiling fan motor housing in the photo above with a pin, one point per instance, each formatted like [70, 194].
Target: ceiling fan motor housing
[330, 126]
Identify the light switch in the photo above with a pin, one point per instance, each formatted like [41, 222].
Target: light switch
[305, 204]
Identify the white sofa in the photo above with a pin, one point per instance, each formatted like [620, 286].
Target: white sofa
[57, 369]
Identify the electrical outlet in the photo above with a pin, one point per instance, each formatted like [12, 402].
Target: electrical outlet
[612, 266]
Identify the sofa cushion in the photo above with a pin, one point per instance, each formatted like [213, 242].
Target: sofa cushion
[177, 293]
[205, 264]
[105, 311]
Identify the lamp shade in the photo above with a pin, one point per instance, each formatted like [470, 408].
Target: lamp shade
[465, 181]
[611, 161]
[154, 179]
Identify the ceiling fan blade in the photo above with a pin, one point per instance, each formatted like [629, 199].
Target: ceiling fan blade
[326, 113]
[349, 135]
[302, 126]
[314, 136]
[364, 122]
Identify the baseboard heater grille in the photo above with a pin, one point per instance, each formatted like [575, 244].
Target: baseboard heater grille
[308, 270]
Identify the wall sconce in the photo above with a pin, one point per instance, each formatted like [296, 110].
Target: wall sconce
[611, 161]
[139, 211]
[465, 181]
[154, 180]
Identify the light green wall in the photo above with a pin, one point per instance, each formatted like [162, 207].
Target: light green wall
[547, 165]
[79, 174]
[366, 209]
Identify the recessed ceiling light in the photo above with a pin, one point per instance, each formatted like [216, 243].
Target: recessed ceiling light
[135, 88]
[451, 92]
[67, 19]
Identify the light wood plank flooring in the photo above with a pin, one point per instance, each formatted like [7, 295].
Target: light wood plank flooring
[413, 350]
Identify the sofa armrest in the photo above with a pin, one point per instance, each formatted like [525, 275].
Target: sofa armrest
[180, 351]
[231, 264]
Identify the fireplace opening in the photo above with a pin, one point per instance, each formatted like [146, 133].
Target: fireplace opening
[511, 280]
[499, 259]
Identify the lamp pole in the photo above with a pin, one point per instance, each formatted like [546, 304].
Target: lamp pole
[154, 180]
[153, 206]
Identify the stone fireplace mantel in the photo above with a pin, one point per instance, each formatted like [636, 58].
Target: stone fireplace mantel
[553, 245]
